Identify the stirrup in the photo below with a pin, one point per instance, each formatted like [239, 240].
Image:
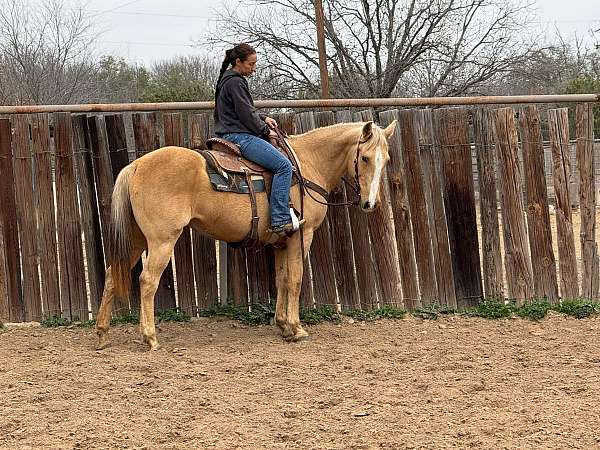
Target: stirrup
[278, 235]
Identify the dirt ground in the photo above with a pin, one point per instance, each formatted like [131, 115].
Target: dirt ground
[453, 383]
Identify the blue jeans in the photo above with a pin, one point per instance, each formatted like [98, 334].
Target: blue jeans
[263, 153]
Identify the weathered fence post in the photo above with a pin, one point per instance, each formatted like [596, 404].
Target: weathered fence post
[383, 241]
[204, 250]
[90, 221]
[4, 280]
[451, 126]
[72, 276]
[23, 167]
[516, 257]
[415, 183]
[483, 130]
[559, 140]
[538, 215]
[401, 213]
[434, 190]
[584, 124]
[40, 132]
[145, 132]
[8, 213]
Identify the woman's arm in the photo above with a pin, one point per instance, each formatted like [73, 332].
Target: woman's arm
[244, 107]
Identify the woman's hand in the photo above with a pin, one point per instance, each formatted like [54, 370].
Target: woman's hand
[272, 123]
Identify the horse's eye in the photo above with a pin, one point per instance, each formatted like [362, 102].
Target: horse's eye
[365, 159]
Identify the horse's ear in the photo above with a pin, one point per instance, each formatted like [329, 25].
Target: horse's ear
[389, 130]
[367, 130]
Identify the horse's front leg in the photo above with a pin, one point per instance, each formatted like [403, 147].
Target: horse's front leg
[295, 270]
[281, 281]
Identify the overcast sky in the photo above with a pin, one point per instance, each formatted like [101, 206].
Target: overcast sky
[149, 30]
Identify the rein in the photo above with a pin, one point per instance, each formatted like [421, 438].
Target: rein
[306, 186]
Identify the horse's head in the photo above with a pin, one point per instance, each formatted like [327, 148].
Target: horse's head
[371, 157]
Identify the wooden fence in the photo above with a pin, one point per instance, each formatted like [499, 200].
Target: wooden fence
[432, 241]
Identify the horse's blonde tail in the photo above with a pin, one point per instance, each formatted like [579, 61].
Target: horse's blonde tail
[120, 240]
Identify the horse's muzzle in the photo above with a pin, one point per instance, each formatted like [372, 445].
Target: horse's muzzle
[368, 206]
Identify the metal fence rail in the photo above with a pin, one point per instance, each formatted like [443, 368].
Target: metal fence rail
[314, 103]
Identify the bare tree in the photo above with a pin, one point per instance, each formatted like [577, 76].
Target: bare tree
[45, 53]
[379, 48]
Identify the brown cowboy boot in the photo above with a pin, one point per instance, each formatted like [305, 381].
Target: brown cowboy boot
[280, 233]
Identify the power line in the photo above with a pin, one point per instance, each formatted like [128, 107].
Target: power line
[140, 13]
[119, 7]
[162, 44]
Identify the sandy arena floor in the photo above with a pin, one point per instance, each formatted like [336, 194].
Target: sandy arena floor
[452, 383]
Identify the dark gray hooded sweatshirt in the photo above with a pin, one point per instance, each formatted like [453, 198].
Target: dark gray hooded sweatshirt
[234, 108]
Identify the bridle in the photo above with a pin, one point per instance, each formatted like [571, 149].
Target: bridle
[308, 187]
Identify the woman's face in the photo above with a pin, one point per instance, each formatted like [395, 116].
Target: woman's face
[247, 67]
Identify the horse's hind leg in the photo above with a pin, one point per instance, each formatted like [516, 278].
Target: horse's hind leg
[104, 312]
[159, 254]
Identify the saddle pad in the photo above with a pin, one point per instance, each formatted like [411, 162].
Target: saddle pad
[231, 182]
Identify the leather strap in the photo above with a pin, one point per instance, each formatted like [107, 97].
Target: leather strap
[251, 239]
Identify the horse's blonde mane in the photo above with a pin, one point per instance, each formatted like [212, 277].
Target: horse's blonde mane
[318, 133]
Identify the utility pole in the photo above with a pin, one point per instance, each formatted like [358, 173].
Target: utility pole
[321, 46]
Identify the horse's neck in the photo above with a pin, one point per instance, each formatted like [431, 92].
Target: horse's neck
[324, 153]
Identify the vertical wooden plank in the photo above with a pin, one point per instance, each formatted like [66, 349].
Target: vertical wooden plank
[584, 125]
[26, 219]
[102, 174]
[237, 283]
[72, 277]
[359, 225]
[90, 223]
[4, 302]
[112, 132]
[301, 124]
[203, 248]
[418, 206]
[321, 253]
[538, 215]
[145, 132]
[401, 213]
[433, 181]
[341, 243]
[383, 244]
[451, 126]
[40, 133]
[483, 130]
[516, 253]
[10, 229]
[173, 126]
[559, 141]
[258, 274]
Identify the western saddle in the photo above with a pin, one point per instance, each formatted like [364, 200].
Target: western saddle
[229, 171]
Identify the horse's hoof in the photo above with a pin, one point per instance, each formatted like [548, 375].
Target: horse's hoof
[103, 342]
[154, 347]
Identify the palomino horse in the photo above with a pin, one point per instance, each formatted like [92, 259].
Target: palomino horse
[157, 195]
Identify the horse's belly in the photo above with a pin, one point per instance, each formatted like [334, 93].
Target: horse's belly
[227, 216]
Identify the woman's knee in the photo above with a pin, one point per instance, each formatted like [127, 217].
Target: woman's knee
[284, 167]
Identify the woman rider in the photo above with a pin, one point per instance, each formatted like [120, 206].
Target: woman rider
[236, 120]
